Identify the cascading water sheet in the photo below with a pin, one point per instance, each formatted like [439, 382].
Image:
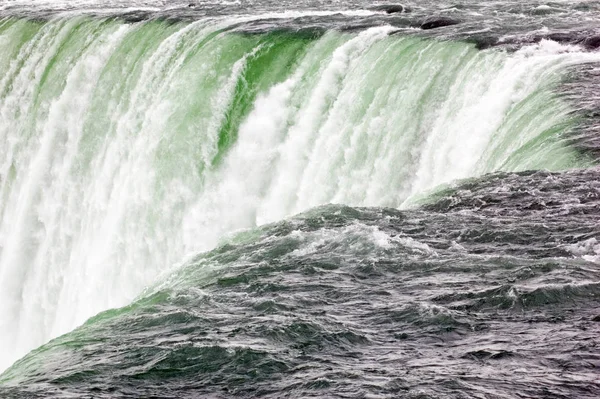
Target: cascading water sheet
[128, 148]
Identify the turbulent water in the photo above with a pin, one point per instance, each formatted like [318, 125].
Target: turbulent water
[153, 156]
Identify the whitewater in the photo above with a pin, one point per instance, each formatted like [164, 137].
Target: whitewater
[126, 148]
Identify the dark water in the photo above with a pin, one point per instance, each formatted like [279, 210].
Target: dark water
[508, 22]
[491, 291]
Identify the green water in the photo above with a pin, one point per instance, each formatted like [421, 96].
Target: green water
[126, 147]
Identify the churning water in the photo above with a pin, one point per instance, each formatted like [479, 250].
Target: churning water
[153, 156]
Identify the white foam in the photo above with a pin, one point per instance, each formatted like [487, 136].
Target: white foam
[588, 250]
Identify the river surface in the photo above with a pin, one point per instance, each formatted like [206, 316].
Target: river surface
[299, 199]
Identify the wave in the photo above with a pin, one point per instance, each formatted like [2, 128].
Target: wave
[345, 299]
